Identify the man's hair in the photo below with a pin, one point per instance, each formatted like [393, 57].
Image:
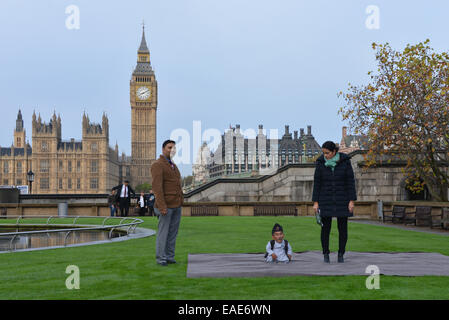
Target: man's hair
[167, 142]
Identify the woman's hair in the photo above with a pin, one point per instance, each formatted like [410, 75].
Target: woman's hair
[329, 145]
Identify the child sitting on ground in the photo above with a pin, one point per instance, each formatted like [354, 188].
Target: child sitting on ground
[278, 249]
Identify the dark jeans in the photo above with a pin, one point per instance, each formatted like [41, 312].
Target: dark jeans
[142, 211]
[342, 223]
[124, 207]
[151, 211]
[113, 209]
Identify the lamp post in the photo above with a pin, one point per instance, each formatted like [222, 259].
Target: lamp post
[30, 177]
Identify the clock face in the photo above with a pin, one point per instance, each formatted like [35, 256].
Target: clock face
[143, 93]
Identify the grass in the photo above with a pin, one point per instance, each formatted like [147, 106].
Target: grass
[128, 270]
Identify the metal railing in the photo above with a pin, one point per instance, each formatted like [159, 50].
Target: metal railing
[131, 226]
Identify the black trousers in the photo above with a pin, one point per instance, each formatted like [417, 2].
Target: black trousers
[342, 223]
[142, 211]
[124, 207]
[150, 211]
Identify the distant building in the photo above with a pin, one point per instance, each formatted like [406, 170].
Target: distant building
[86, 166]
[236, 154]
[199, 168]
[15, 161]
[350, 143]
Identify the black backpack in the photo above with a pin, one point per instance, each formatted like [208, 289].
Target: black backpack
[272, 246]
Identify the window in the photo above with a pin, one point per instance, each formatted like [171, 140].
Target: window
[5, 167]
[44, 183]
[45, 166]
[69, 166]
[78, 183]
[5, 182]
[94, 147]
[61, 166]
[60, 183]
[69, 183]
[19, 182]
[94, 166]
[19, 142]
[78, 166]
[19, 167]
[94, 183]
[44, 146]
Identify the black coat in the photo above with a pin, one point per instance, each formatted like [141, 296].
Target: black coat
[119, 190]
[334, 190]
[145, 200]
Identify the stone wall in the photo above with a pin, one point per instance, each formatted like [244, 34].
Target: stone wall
[294, 182]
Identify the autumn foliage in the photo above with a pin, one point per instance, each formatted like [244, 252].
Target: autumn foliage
[404, 112]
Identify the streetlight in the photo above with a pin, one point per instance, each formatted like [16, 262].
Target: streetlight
[30, 177]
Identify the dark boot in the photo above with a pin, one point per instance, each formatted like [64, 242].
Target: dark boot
[326, 258]
[340, 258]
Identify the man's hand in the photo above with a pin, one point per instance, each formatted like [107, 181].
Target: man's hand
[164, 211]
[289, 257]
[351, 206]
[274, 256]
[315, 206]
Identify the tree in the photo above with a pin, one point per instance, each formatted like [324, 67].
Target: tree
[404, 112]
[145, 187]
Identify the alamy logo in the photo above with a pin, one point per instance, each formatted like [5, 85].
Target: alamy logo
[373, 20]
[373, 281]
[73, 280]
[73, 20]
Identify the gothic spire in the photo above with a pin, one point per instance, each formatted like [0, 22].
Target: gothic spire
[143, 44]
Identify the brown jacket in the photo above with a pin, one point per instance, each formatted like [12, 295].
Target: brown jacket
[166, 184]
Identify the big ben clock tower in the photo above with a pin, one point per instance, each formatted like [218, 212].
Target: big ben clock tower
[143, 98]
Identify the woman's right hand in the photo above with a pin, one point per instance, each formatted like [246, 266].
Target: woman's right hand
[315, 207]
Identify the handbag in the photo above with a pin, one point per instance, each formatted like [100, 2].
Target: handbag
[318, 217]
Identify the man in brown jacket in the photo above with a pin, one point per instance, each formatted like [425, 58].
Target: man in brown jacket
[169, 199]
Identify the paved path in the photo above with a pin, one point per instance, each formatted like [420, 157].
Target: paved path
[403, 227]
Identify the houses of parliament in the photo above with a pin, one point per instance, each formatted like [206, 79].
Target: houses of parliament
[90, 165]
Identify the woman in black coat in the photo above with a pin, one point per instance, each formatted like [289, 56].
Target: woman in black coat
[334, 195]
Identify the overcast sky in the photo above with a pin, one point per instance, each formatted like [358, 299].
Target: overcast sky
[220, 62]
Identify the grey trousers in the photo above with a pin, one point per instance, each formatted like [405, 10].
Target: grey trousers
[166, 234]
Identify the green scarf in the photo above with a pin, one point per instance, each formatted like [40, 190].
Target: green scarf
[332, 162]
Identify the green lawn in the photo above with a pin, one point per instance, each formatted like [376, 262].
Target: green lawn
[127, 270]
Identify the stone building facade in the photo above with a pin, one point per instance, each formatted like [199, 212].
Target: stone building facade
[16, 161]
[236, 154]
[59, 166]
[86, 166]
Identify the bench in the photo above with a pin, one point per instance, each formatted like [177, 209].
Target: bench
[422, 216]
[275, 210]
[204, 210]
[397, 213]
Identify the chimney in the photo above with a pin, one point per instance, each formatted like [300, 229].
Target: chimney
[237, 126]
[295, 134]
[309, 130]
[343, 132]
[301, 132]
[260, 129]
